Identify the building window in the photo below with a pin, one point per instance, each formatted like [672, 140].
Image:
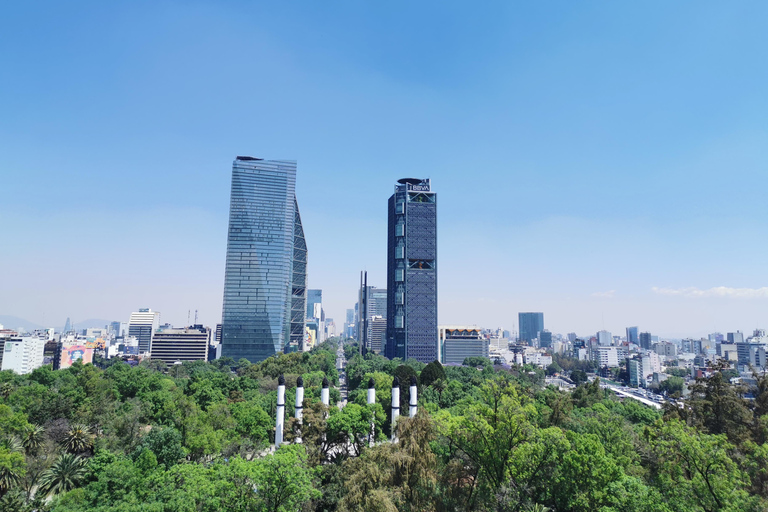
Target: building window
[398, 321]
[398, 297]
[399, 275]
[400, 230]
[399, 252]
[400, 208]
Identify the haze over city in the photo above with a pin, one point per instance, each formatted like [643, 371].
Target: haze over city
[602, 163]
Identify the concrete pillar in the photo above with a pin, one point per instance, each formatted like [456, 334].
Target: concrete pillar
[299, 407]
[325, 395]
[371, 400]
[413, 404]
[280, 423]
[395, 407]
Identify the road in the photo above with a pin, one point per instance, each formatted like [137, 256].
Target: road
[635, 394]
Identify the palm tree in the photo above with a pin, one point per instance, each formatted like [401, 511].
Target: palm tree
[65, 474]
[12, 468]
[10, 475]
[12, 444]
[6, 388]
[32, 439]
[78, 439]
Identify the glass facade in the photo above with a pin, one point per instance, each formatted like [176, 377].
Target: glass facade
[531, 324]
[265, 276]
[412, 272]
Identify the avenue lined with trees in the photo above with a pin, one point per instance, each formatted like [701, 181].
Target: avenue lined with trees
[198, 436]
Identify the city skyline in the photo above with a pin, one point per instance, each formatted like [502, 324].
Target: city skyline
[595, 162]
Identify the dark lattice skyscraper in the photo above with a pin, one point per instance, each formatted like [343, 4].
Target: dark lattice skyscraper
[265, 281]
[412, 272]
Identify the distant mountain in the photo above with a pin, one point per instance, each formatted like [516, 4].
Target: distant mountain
[14, 322]
[92, 322]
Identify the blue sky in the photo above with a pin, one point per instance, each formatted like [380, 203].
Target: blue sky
[603, 162]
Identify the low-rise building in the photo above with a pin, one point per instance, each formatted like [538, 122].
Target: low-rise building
[187, 344]
[665, 348]
[457, 343]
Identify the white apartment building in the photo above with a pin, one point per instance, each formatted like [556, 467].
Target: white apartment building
[606, 356]
[22, 355]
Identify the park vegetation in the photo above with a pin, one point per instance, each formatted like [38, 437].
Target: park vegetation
[198, 437]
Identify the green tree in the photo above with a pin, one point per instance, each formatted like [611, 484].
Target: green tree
[578, 377]
[395, 476]
[252, 421]
[490, 431]
[553, 369]
[12, 469]
[79, 439]
[276, 483]
[432, 372]
[672, 385]
[694, 471]
[165, 443]
[65, 474]
[33, 439]
[477, 361]
[584, 476]
[720, 407]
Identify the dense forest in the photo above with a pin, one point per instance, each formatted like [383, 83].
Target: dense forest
[198, 437]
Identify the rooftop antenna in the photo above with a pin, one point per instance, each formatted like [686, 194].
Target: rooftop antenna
[195, 317]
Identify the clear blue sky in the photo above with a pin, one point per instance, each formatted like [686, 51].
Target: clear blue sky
[603, 162]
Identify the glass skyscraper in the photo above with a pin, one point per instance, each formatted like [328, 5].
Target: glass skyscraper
[265, 280]
[531, 324]
[632, 336]
[412, 272]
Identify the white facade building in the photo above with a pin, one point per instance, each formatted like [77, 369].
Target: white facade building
[606, 356]
[604, 338]
[22, 355]
[143, 325]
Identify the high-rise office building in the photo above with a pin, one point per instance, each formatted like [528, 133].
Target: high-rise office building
[412, 272]
[735, 337]
[604, 338]
[142, 325]
[314, 297]
[531, 324]
[646, 340]
[377, 326]
[374, 301]
[266, 271]
[632, 336]
[545, 339]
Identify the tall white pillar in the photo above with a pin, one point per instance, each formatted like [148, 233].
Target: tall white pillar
[280, 411]
[325, 395]
[395, 407]
[413, 402]
[371, 400]
[299, 407]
